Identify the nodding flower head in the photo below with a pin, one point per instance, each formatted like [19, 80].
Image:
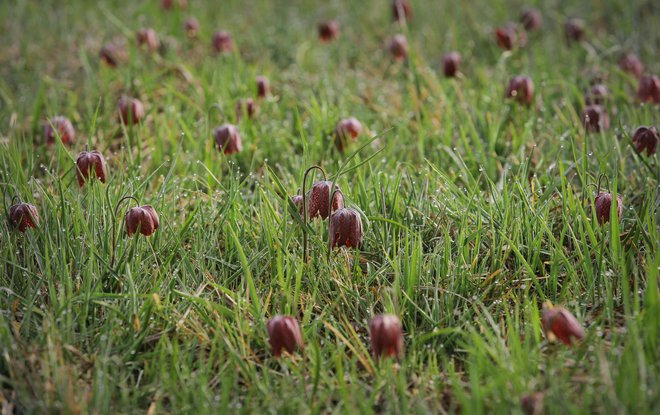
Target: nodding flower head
[398, 47]
[603, 205]
[595, 118]
[401, 10]
[318, 199]
[147, 39]
[169, 4]
[90, 164]
[328, 31]
[559, 323]
[521, 89]
[228, 139]
[191, 27]
[346, 131]
[646, 138]
[247, 107]
[112, 55]
[632, 64]
[649, 89]
[143, 219]
[284, 335]
[263, 87]
[450, 63]
[222, 42]
[59, 126]
[574, 29]
[596, 95]
[23, 216]
[345, 228]
[510, 36]
[130, 110]
[531, 19]
[386, 336]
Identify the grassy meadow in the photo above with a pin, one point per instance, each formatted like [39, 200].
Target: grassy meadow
[476, 210]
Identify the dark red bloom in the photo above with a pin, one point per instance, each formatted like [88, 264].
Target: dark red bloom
[532, 404]
[246, 106]
[130, 110]
[263, 87]
[23, 216]
[386, 336]
[574, 30]
[89, 162]
[284, 335]
[191, 26]
[318, 200]
[559, 323]
[398, 47]
[632, 64]
[59, 126]
[147, 39]
[345, 228]
[112, 55]
[450, 63]
[328, 31]
[596, 95]
[401, 10]
[169, 4]
[228, 139]
[521, 89]
[646, 138]
[143, 219]
[298, 202]
[347, 130]
[603, 205]
[595, 118]
[223, 42]
[531, 19]
[510, 36]
[649, 89]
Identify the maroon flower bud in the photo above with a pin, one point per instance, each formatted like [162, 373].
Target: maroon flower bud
[595, 118]
[228, 139]
[531, 19]
[89, 162]
[169, 4]
[521, 89]
[222, 42]
[284, 335]
[345, 228]
[263, 87]
[143, 219]
[646, 138]
[386, 336]
[574, 30]
[318, 200]
[450, 63]
[112, 55]
[596, 95]
[347, 130]
[532, 404]
[401, 10]
[23, 216]
[147, 39]
[59, 126]
[559, 323]
[632, 64]
[246, 106]
[649, 89]
[191, 27]
[130, 110]
[328, 31]
[298, 202]
[398, 47]
[603, 205]
[510, 36]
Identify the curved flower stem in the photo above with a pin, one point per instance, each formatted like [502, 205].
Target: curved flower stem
[114, 226]
[343, 203]
[304, 195]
